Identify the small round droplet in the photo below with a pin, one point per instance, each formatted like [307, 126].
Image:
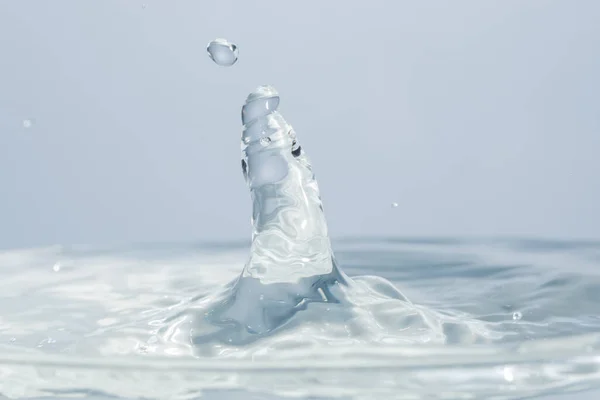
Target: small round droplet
[265, 141]
[27, 123]
[517, 316]
[222, 52]
[394, 205]
[56, 267]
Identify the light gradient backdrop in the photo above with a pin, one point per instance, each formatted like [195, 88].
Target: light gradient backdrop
[477, 117]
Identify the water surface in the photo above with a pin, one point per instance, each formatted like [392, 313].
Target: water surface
[515, 319]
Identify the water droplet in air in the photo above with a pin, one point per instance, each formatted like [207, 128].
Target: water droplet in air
[56, 267]
[517, 316]
[265, 141]
[222, 52]
[27, 123]
[394, 205]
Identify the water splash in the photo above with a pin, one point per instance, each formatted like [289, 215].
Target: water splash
[291, 277]
[290, 239]
[222, 52]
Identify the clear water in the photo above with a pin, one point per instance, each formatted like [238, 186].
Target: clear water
[401, 319]
[222, 52]
[77, 321]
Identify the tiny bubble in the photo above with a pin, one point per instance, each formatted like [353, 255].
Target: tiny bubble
[509, 374]
[265, 141]
[27, 123]
[56, 267]
[394, 205]
[13, 339]
[517, 316]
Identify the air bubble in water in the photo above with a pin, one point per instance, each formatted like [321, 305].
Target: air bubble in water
[517, 316]
[394, 205]
[265, 141]
[56, 267]
[27, 123]
[222, 52]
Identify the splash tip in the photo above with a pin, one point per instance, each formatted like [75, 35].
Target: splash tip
[262, 92]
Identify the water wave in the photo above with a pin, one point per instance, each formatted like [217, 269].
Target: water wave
[95, 324]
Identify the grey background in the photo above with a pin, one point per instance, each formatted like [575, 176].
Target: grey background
[477, 117]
